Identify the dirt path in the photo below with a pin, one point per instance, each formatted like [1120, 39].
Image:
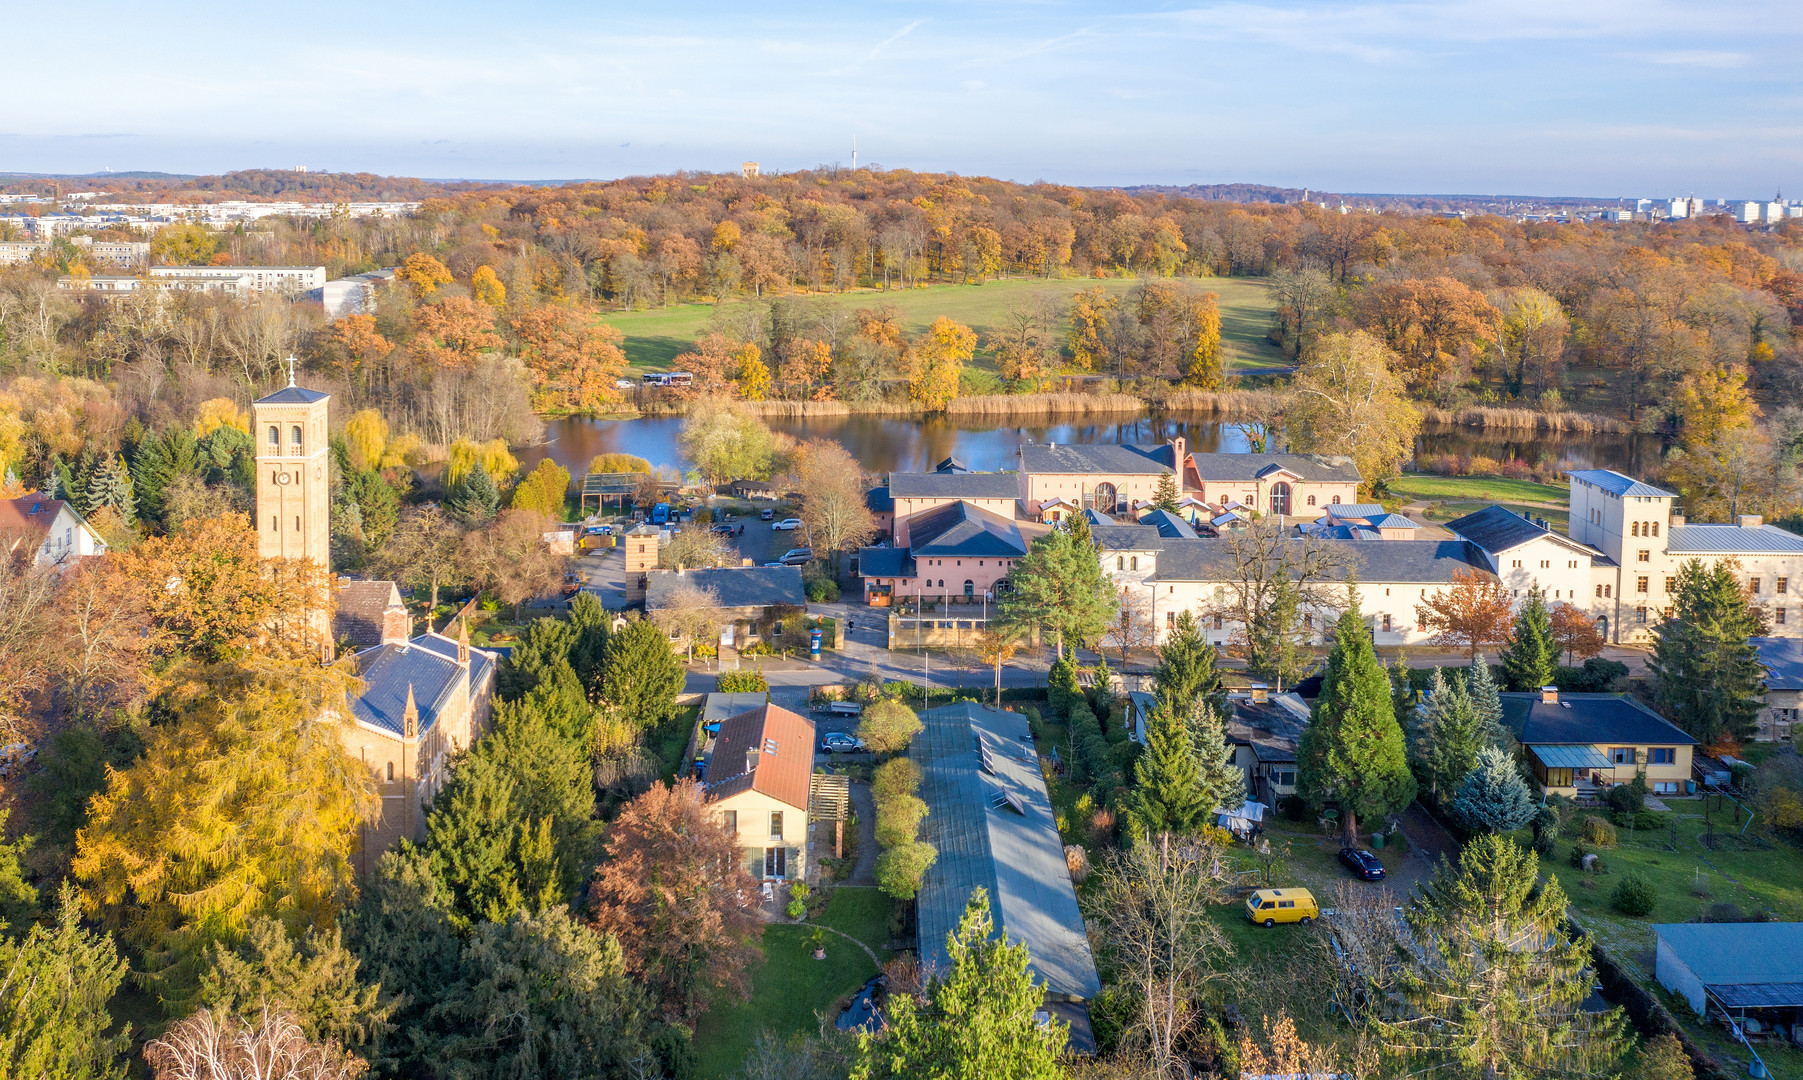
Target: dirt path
[864, 873]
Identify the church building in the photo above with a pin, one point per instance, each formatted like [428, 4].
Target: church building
[424, 697]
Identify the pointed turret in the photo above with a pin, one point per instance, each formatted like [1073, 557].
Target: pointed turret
[463, 641]
[410, 716]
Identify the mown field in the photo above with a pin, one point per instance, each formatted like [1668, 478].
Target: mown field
[656, 335]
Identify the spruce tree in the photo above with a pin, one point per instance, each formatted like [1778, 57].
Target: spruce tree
[1165, 493]
[475, 498]
[1223, 782]
[110, 486]
[1448, 735]
[1707, 676]
[1480, 687]
[1531, 658]
[1351, 754]
[1496, 1008]
[1168, 796]
[1188, 667]
[1493, 797]
[979, 1019]
[55, 985]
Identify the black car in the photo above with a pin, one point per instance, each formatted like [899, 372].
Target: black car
[1362, 863]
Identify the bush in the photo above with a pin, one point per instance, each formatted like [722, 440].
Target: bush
[743, 681]
[1033, 723]
[897, 776]
[1623, 800]
[1639, 820]
[898, 819]
[1546, 830]
[896, 690]
[1634, 896]
[888, 726]
[1062, 690]
[1597, 676]
[823, 590]
[1724, 912]
[1597, 833]
[900, 870]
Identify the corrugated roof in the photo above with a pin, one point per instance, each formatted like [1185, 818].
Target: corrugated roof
[1783, 660]
[954, 485]
[1355, 510]
[735, 586]
[1318, 468]
[1728, 954]
[429, 665]
[291, 395]
[1611, 481]
[966, 530]
[1732, 539]
[1017, 856]
[1120, 459]
[785, 756]
[1592, 719]
[1498, 529]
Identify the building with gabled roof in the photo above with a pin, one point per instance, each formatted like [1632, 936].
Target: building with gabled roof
[756, 783]
[1287, 485]
[368, 613]
[1782, 701]
[1108, 477]
[915, 493]
[957, 551]
[1582, 744]
[1747, 970]
[52, 528]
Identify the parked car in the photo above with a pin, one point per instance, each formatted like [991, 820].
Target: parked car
[1268, 907]
[798, 553]
[766, 515]
[837, 742]
[787, 525]
[721, 530]
[1362, 863]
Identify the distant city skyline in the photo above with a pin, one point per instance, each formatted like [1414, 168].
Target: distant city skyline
[1603, 98]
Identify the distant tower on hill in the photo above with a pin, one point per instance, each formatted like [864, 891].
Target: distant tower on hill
[748, 170]
[294, 500]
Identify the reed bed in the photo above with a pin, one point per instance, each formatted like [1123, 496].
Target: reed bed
[1028, 406]
[1567, 423]
[1226, 404]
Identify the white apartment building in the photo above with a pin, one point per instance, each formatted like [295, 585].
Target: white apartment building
[129, 255]
[290, 280]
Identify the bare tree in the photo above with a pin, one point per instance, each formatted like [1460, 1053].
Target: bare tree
[1276, 587]
[27, 608]
[512, 559]
[692, 613]
[219, 1046]
[696, 546]
[832, 508]
[425, 550]
[1134, 628]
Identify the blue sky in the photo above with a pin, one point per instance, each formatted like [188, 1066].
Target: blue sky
[1595, 97]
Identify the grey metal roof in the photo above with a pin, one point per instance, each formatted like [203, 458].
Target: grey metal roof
[292, 395]
[1169, 525]
[966, 530]
[1570, 756]
[1591, 719]
[1732, 539]
[613, 483]
[1104, 458]
[1394, 521]
[481, 660]
[735, 586]
[388, 670]
[1729, 954]
[1783, 660]
[878, 500]
[1497, 529]
[1017, 857]
[885, 562]
[1616, 483]
[1241, 467]
[1425, 561]
[954, 485]
[1786, 995]
[1112, 537]
[1355, 510]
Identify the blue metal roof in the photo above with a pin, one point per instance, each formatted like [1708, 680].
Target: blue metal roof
[1732, 539]
[1737, 954]
[1567, 756]
[292, 395]
[1393, 521]
[388, 671]
[1355, 510]
[1616, 483]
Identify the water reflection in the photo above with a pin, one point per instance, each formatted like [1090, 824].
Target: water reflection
[885, 443]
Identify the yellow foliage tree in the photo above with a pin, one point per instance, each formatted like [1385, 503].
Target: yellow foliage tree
[246, 805]
[543, 489]
[618, 463]
[216, 413]
[726, 235]
[183, 245]
[1711, 403]
[1091, 310]
[365, 439]
[1205, 351]
[493, 454]
[1347, 399]
[754, 374]
[423, 273]
[937, 363]
[488, 287]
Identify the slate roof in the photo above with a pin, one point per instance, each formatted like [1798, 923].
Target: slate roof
[878, 500]
[1317, 468]
[885, 562]
[1169, 525]
[1137, 537]
[735, 586]
[1017, 856]
[954, 485]
[292, 395]
[429, 665]
[357, 611]
[1587, 719]
[1616, 483]
[1783, 660]
[1732, 539]
[1120, 459]
[785, 756]
[966, 530]
[1497, 529]
[1731, 954]
[1424, 561]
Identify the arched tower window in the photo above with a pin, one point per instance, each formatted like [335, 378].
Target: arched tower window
[294, 435]
[275, 435]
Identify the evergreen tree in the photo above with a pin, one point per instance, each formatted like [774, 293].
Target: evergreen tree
[314, 978]
[547, 756]
[1482, 1004]
[475, 498]
[1059, 588]
[55, 983]
[640, 675]
[18, 900]
[1165, 493]
[110, 486]
[1061, 686]
[1480, 687]
[401, 931]
[541, 656]
[1493, 797]
[1168, 796]
[1274, 644]
[159, 461]
[1448, 733]
[492, 858]
[1351, 754]
[979, 1019]
[1532, 655]
[1707, 676]
[592, 624]
[1223, 782]
[1189, 667]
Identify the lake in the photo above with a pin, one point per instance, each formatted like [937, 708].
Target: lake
[888, 443]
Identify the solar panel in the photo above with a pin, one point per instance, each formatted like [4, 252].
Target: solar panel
[984, 760]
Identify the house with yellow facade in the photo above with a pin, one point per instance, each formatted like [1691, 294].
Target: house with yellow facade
[1584, 744]
[756, 783]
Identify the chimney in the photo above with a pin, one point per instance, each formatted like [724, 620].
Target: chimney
[395, 625]
[1549, 695]
[1260, 693]
[751, 759]
[1179, 448]
[1749, 521]
[1677, 520]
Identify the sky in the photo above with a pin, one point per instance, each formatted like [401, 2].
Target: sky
[1553, 97]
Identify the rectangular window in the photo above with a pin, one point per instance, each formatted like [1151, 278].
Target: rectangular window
[1640, 615]
[1286, 778]
[1662, 755]
[730, 819]
[1783, 586]
[1217, 622]
[1778, 616]
[1420, 622]
[1753, 586]
[1386, 624]
[1640, 584]
[776, 824]
[1665, 787]
[1170, 619]
[1621, 755]
[1644, 556]
[776, 862]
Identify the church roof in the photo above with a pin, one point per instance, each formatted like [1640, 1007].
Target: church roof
[357, 613]
[428, 665]
[292, 395]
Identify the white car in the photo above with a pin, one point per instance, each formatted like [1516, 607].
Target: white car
[786, 525]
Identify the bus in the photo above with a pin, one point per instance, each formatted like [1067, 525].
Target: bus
[669, 378]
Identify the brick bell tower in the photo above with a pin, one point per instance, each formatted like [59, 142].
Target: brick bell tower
[294, 499]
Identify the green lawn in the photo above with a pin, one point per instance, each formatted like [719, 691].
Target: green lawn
[1453, 509]
[656, 335]
[1486, 488]
[791, 987]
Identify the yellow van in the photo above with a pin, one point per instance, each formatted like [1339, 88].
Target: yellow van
[1268, 907]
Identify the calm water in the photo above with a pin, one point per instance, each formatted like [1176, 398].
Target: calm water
[885, 443]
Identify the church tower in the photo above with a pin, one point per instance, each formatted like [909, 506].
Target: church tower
[294, 498]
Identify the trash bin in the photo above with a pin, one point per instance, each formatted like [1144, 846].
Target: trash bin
[1377, 840]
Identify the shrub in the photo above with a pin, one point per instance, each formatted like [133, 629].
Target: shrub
[900, 870]
[1623, 800]
[1061, 687]
[896, 690]
[1639, 820]
[1724, 912]
[888, 726]
[823, 590]
[898, 819]
[897, 776]
[1596, 676]
[743, 681]
[1634, 896]
[1597, 833]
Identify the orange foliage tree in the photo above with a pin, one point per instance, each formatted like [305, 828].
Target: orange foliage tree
[1471, 613]
[573, 356]
[1427, 323]
[453, 332]
[423, 274]
[1576, 633]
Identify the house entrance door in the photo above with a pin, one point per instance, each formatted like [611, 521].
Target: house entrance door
[776, 863]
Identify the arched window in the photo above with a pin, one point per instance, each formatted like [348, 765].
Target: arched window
[1120, 562]
[970, 589]
[1280, 499]
[1336, 500]
[1104, 498]
[391, 772]
[1311, 500]
[1655, 528]
[1634, 529]
[294, 435]
[275, 435]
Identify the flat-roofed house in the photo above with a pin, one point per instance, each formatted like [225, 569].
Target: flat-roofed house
[1286, 485]
[756, 783]
[51, 527]
[1106, 477]
[1586, 743]
[1748, 971]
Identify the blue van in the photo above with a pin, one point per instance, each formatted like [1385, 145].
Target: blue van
[660, 514]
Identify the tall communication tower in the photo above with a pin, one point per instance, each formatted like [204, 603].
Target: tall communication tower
[854, 153]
